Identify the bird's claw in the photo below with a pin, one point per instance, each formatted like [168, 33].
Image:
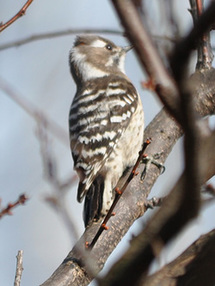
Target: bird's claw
[148, 160]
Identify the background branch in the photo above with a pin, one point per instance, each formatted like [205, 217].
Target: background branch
[19, 268]
[34, 112]
[148, 55]
[57, 34]
[193, 267]
[8, 209]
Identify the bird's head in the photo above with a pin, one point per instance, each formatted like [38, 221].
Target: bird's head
[93, 56]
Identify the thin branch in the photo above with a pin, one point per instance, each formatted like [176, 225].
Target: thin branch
[19, 268]
[33, 111]
[8, 209]
[62, 33]
[119, 191]
[17, 16]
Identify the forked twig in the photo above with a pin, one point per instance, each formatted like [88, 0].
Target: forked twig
[17, 16]
[119, 192]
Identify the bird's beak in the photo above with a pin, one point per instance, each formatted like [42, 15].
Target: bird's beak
[128, 48]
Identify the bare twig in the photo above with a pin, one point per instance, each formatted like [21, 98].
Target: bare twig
[17, 16]
[33, 111]
[19, 268]
[62, 33]
[8, 209]
[119, 192]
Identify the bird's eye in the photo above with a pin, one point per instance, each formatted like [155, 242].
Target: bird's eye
[109, 47]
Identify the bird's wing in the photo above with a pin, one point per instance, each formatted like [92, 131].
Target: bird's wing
[97, 121]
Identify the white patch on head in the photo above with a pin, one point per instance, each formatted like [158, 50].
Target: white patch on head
[121, 64]
[76, 56]
[98, 44]
[120, 57]
[109, 62]
[88, 71]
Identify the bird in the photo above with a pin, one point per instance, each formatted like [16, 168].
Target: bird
[106, 122]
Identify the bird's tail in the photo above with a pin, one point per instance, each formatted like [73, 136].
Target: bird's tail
[93, 201]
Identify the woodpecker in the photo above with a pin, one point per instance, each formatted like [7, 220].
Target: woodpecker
[106, 122]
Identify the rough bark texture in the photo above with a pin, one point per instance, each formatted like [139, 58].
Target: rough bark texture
[164, 132]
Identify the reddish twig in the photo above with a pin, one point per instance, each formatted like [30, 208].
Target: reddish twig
[17, 16]
[119, 192]
[8, 209]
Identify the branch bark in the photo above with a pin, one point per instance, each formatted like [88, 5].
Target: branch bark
[164, 132]
[195, 266]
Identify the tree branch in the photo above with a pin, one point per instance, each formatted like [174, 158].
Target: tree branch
[195, 266]
[62, 33]
[17, 16]
[8, 209]
[148, 55]
[164, 132]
